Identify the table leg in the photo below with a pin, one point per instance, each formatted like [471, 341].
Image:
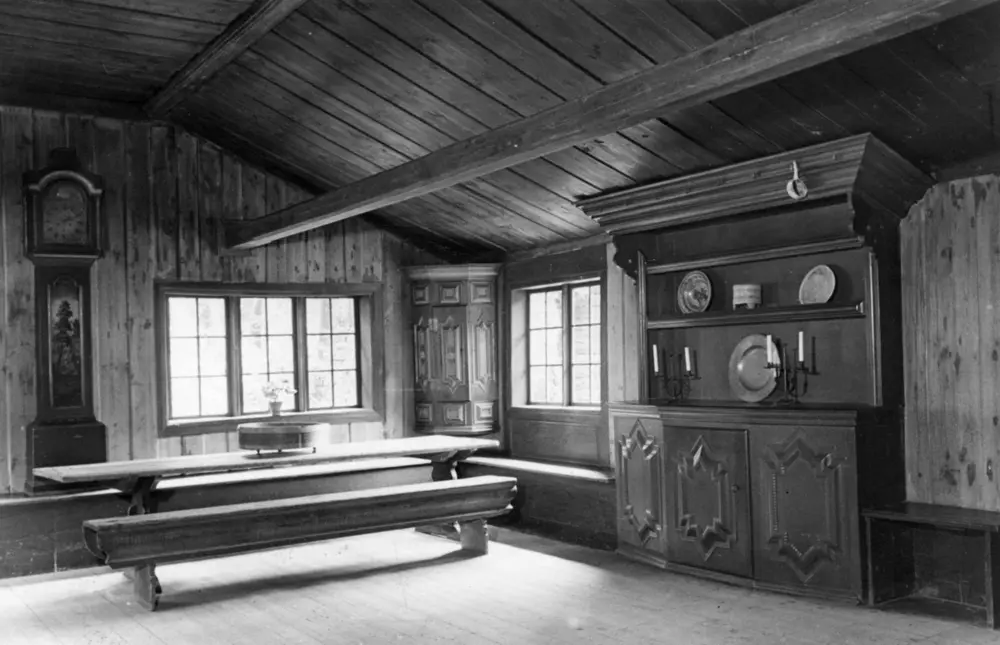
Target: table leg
[145, 584]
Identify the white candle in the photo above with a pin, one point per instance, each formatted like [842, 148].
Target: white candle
[656, 360]
[802, 347]
[687, 360]
[770, 354]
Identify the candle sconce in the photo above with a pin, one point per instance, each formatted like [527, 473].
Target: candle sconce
[787, 375]
[677, 379]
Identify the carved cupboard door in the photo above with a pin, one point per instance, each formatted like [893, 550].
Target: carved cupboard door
[806, 509]
[708, 506]
[641, 505]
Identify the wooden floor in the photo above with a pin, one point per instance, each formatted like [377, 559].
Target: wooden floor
[411, 588]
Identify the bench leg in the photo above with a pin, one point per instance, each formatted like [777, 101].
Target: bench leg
[474, 537]
[146, 586]
[992, 571]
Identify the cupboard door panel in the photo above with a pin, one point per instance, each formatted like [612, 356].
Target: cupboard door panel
[708, 503]
[639, 452]
[805, 508]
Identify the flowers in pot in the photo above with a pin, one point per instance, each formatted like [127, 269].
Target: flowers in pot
[273, 391]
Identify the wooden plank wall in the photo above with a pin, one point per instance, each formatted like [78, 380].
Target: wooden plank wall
[950, 250]
[164, 189]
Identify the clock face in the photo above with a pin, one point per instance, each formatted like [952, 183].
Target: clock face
[64, 214]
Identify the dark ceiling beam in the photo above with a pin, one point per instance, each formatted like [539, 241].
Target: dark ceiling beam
[808, 35]
[249, 27]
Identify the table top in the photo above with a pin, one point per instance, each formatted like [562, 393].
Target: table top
[113, 471]
[937, 515]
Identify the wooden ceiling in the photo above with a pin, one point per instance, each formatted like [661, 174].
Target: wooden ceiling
[341, 90]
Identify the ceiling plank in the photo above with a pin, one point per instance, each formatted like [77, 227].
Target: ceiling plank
[795, 40]
[239, 36]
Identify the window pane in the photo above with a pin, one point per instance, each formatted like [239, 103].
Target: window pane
[536, 310]
[595, 344]
[252, 320]
[254, 355]
[212, 356]
[595, 304]
[253, 394]
[214, 397]
[318, 350]
[536, 347]
[280, 354]
[317, 315]
[211, 317]
[343, 315]
[344, 352]
[345, 388]
[183, 357]
[581, 305]
[554, 384]
[183, 316]
[595, 383]
[553, 309]
[279, 315]
[581, 384]
[554, 346]
[581, 345]
[320, 390]
[184, 399]
[537, 382]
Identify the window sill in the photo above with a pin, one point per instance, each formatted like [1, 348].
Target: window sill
[229, 424]
[558, 408]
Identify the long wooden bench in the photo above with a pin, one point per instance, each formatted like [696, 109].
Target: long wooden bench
[143, 541]
[892, 565]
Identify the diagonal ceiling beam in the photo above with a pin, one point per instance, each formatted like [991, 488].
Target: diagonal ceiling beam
[795, 40]
[249, 27]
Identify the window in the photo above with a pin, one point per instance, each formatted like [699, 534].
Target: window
[564, 345]
[219, 350]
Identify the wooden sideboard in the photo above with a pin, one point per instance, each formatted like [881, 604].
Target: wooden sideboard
[454, 322]
[723, 470]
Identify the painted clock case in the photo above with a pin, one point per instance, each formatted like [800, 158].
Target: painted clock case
[63, 238]
[766, 494]
[454, 326]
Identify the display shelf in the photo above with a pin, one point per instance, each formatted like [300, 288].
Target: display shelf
[763, 315]
[758, 255]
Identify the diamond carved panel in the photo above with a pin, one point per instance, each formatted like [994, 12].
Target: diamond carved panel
[803, 482]
[639, 457]
[718, 530]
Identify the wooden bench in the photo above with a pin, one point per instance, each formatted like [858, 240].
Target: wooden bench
[142, 541]
[891, 559]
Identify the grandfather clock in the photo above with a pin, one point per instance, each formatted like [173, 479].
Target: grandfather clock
[63, 237]
[454, 318]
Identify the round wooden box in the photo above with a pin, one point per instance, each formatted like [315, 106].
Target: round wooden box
[282, 435]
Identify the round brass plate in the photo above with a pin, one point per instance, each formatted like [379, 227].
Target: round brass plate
[749, 377]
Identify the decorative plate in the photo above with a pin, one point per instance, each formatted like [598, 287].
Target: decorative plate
[694, 293]
[818, 285]
[749, 377]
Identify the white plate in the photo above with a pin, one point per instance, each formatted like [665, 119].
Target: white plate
[818, 285]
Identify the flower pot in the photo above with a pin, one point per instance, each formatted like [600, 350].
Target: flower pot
[275, 408]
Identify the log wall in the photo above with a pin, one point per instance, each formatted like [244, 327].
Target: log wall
[164, 189]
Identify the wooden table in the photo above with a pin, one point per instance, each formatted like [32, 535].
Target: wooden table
[138, 478]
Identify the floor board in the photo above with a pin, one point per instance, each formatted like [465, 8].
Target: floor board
[411, 588]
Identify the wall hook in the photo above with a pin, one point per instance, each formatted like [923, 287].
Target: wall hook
[796, 186]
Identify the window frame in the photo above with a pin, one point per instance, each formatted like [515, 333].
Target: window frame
[370, 356]
[566, 289]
